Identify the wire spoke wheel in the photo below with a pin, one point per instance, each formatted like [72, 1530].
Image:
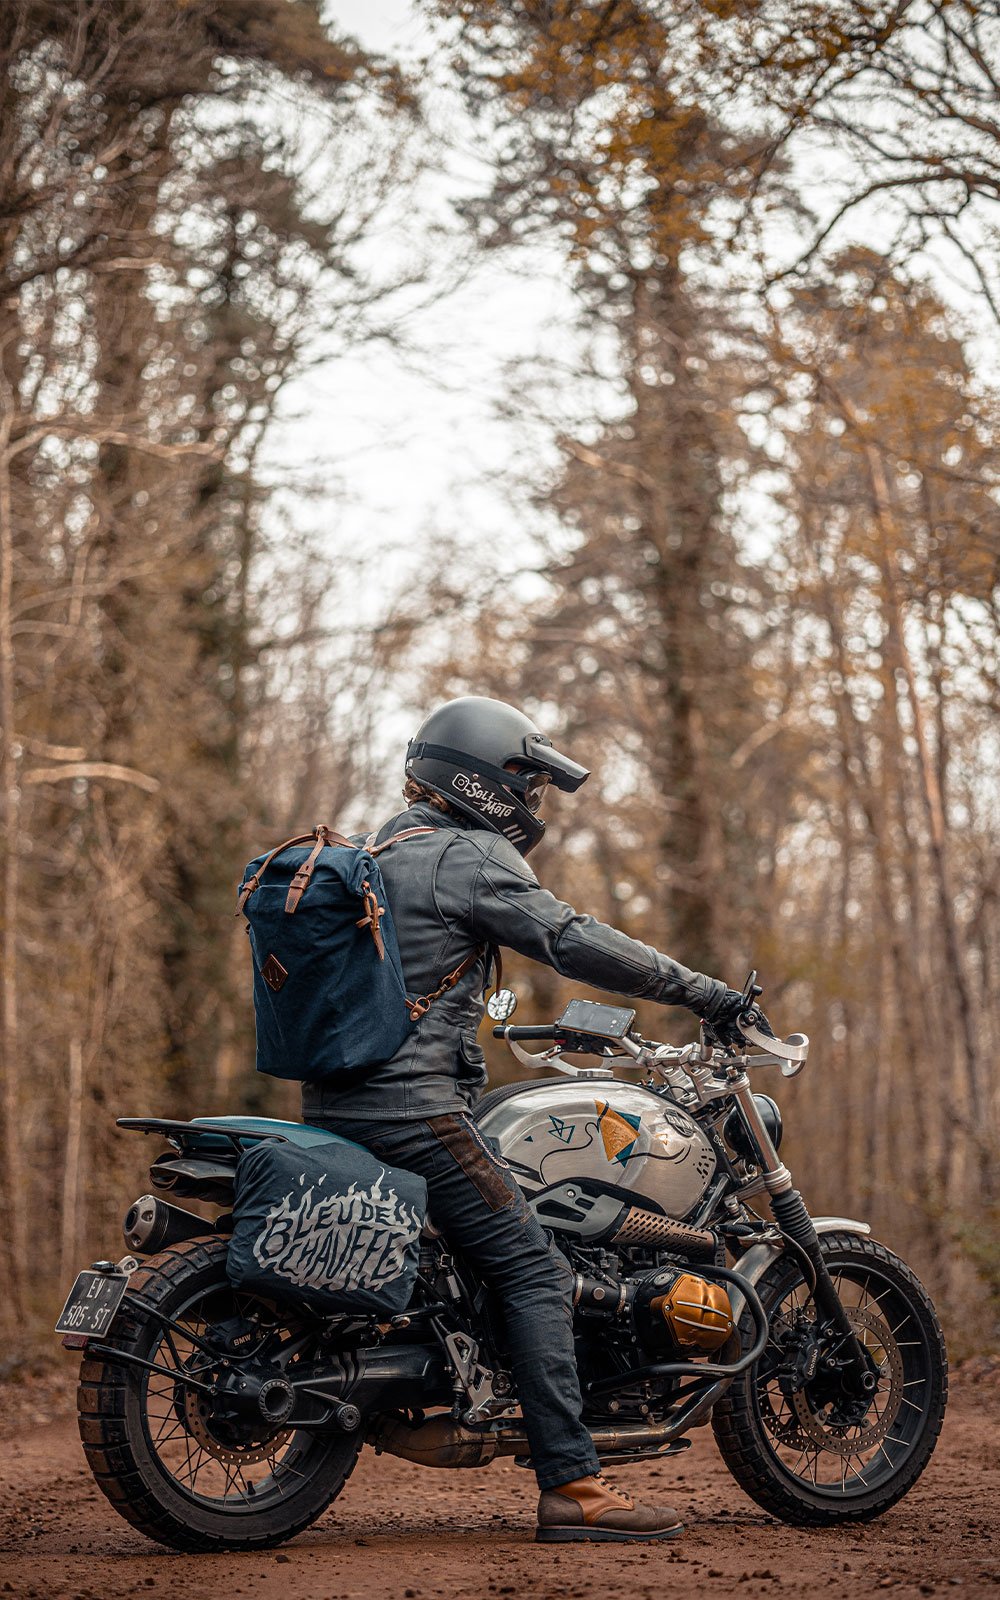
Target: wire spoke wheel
[794, 1431]
[203, 1470]
[191, 1446]
[821, 1439]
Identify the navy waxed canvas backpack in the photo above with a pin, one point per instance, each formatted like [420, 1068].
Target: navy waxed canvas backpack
[328, 988]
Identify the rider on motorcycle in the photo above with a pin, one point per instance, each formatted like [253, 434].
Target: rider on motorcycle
[476, 774]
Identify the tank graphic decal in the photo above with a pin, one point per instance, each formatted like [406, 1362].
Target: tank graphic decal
[553, 1166]
[622, 1143]
[619, 1131]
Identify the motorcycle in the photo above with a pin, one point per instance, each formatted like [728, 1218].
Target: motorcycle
[213, 1419]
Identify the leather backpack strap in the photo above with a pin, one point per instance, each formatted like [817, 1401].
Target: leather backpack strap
[372, 917]
[373, 911]
[407, 833]
[324, 836]
[420, 1006]
[423, 1002]
[253, 882]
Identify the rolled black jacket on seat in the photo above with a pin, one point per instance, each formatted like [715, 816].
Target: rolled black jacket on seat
[452, 890]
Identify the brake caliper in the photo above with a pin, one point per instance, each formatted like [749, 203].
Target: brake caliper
[800, 1352]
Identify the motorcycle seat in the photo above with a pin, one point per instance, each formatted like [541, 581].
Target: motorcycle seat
[300, 1133]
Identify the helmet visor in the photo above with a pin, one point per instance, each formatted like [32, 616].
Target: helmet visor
[534, 789]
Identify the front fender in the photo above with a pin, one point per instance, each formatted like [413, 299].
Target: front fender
[758, 1258]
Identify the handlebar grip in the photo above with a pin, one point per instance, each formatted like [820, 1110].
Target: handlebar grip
[538, 1032]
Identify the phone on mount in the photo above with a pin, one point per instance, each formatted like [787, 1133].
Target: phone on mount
[599, 1022]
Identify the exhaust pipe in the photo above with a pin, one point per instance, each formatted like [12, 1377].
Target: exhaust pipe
[438, 1442]
[152, 1224]
[442, 1442]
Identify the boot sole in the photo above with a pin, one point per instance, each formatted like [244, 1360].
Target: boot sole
[589, 1535]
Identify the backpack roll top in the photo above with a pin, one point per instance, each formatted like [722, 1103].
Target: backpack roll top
[328, 987]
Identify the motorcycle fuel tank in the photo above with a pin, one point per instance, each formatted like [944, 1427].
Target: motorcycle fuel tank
[604, 1160]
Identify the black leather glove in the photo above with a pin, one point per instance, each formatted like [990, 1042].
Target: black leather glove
[723, 1019]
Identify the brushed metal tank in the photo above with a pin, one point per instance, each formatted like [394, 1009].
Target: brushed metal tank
[601, 1159]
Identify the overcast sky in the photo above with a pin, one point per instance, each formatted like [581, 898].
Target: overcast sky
[410, 445]
[406, 447]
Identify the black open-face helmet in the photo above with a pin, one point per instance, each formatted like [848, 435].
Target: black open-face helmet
[461, 752]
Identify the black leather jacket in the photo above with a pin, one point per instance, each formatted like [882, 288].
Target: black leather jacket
[451, 890]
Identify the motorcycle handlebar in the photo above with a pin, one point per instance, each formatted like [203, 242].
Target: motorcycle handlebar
[791, 1053]
[540, 1031]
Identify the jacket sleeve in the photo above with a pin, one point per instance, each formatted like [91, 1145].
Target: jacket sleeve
[508, 907]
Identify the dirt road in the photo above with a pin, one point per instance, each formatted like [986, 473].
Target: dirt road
[402, 1530]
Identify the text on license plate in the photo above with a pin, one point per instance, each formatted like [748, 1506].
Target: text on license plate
[92, 1302]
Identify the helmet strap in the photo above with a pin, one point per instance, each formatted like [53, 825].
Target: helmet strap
[419, 750]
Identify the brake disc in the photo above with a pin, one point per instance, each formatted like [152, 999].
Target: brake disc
[851, 1439]
[198, 1420]
[784, 1430]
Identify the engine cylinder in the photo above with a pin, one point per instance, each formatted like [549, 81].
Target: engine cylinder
[675, 1310]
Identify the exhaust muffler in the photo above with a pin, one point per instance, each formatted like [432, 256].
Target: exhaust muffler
[151, 1224]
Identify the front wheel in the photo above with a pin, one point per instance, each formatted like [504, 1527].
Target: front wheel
[791, 1431]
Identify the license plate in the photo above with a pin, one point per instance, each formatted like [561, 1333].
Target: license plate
[92, 1302]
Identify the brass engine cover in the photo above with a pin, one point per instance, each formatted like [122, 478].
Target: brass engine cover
[698, 1314]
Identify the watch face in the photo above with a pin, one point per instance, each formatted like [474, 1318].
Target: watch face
[502, 1005]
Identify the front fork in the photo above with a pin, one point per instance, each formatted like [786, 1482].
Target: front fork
[793, 1219]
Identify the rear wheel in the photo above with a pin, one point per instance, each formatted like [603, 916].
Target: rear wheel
[794, 1435]
[159, 1448]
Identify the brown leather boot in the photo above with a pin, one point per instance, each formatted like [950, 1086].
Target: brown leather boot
[591, 1508]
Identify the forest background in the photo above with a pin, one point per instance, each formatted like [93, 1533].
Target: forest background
[733, 537]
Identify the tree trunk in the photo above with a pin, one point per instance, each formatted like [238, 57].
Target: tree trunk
[70, 1232]
[15, 1223]
[975, 1088]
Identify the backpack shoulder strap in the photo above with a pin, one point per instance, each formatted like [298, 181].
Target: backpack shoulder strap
[407, 833]
[421, 1004]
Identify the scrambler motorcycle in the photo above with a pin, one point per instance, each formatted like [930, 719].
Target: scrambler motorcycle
[216, 1420]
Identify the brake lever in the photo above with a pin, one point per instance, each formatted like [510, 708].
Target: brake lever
[791, 1052]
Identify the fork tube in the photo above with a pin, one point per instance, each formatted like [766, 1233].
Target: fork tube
[777, 1178]
[793, 1218]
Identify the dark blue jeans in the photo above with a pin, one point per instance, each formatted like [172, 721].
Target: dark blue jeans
[484, 1216]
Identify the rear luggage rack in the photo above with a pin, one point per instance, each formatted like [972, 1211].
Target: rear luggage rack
[184, 1134]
